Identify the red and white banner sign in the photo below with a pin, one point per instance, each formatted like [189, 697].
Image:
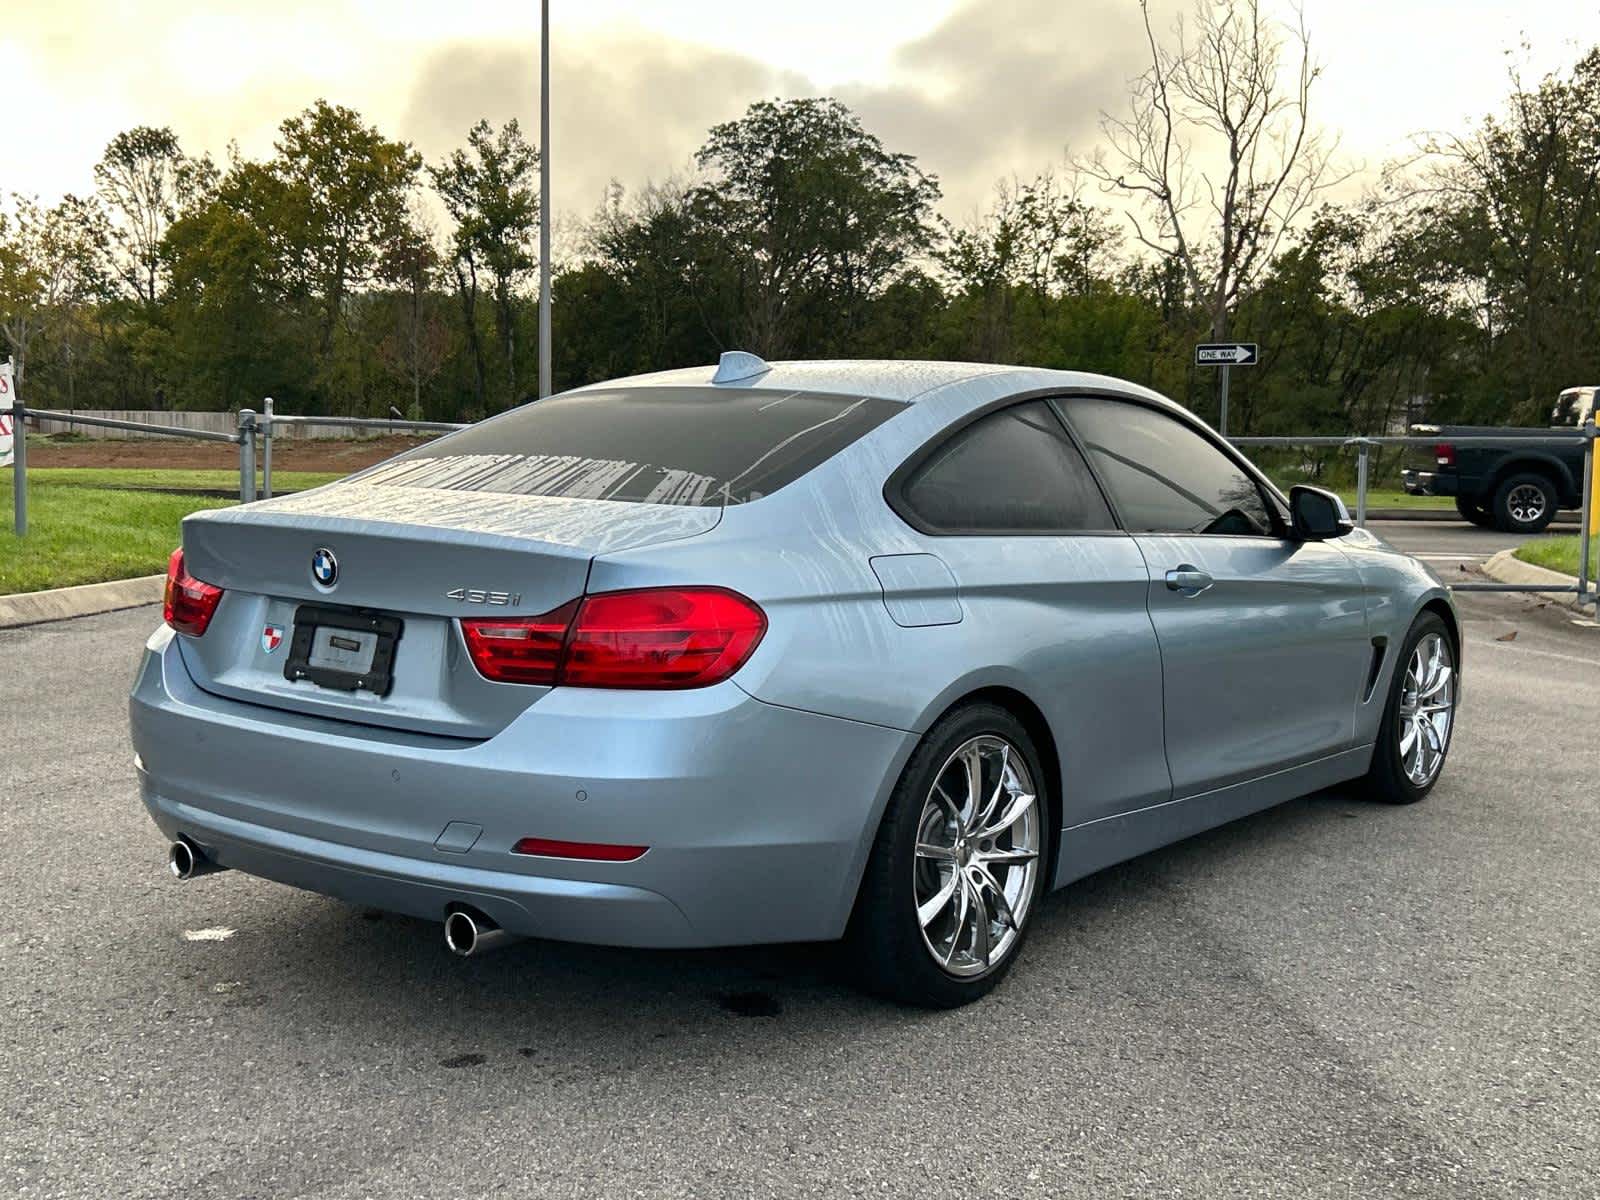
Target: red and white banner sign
[8, 391]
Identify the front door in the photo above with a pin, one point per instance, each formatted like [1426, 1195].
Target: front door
[1264, 643]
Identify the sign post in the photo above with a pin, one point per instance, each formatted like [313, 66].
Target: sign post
[14, 446]
[1226, 355]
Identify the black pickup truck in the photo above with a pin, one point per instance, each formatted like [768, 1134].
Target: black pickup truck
[1506, 484]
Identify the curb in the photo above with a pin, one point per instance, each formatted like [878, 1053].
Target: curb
[1506, 567]
[1448, 515]
[85, 600]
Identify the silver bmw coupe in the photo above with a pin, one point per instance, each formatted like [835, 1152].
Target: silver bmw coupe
[878, 651]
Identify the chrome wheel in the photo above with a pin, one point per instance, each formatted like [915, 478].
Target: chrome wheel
[977, 856]
[1526, 503]
[1427, 708]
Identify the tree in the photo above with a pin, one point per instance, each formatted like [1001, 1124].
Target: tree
[230, 337]
[417, 349]
[1038, 235]
[1218, 150]
[1515, 206]
[660, 292]
[1038, 242]
[341, 195]
[48, 266]
[813, 214]
[144, 180]
[489, 190]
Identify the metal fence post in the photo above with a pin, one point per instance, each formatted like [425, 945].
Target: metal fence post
[266, 449]
[19, 468]
[247, 455]
[1361, 483]
[1222, 403]
[1588, 501]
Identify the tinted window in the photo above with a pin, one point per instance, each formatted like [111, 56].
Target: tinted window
[1570, 411]
[1165, 477]
[690, 446]
[1013, 471]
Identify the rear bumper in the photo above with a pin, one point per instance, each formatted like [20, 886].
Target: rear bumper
[1429, 483]
[758, 818]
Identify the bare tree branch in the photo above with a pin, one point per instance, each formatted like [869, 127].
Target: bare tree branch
[1220, 152]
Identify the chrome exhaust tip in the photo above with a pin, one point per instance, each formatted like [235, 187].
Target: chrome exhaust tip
[186, 861]
[468, 933]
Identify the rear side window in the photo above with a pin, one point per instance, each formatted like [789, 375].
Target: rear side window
[1164, 476]
[1570, 411]
[1014, 471]
[685, 446]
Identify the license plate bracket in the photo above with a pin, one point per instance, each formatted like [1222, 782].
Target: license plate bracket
[344, 649]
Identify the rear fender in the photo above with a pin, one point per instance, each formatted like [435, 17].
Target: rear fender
[1538, 464]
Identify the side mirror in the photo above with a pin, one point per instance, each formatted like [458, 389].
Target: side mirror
[1317, 515]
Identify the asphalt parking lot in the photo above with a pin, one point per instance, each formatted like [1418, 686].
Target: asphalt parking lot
[1328, 999]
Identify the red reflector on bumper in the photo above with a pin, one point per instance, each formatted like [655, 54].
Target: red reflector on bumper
[593, 851]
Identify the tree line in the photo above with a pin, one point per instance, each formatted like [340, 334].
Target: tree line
[346, 274]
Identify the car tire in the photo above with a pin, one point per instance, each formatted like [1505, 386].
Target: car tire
[1472, 511]
[896, 953]
[1524, 503]
[1394, 777]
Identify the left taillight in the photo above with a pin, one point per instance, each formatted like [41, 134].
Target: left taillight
[521, 649]
[189, 603]
[650, 638]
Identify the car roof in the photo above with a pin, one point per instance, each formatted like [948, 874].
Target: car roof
[889, 379]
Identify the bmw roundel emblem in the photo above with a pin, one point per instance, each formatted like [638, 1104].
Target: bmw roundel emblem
[325, 567]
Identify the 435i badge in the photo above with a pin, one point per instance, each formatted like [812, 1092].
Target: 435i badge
[481, 596]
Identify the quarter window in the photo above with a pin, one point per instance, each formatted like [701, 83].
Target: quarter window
[1164, 476]
[1014, 471]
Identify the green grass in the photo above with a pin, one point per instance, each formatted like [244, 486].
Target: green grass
[1376, 497]
[85, 535]
[1558, 553]
[110, 477]
[1392, 498]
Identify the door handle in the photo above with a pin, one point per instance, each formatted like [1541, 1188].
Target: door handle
[1191, 581]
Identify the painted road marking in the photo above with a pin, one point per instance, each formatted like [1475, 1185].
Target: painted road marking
[220, 933]
[1572, 658]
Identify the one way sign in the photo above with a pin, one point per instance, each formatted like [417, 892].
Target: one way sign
[1226, 354]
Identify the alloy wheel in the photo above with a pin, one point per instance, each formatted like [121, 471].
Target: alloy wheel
[1526, 503]
[1427, 709]
[977, 856]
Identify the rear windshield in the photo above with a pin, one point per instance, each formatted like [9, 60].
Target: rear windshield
[688, 446]
[1570, 411]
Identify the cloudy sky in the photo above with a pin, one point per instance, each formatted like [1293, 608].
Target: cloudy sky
[977, 89]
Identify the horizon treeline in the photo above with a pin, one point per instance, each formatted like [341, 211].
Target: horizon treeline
[345, 274]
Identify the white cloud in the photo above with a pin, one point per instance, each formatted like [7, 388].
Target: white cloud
[976, 89]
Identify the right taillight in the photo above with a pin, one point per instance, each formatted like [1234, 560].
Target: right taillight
[649, 638]
[189, 603]
[1445, 454]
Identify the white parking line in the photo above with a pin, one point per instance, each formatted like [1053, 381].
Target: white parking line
[1572, 658]
[1450, 557]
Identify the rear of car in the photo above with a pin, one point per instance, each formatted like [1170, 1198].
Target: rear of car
[471, 678]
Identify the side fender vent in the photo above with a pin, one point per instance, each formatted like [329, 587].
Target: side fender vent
[1379, 646]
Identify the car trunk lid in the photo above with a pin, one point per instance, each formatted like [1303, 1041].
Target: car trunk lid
[425, 556]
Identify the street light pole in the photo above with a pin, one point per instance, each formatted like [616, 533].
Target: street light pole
[544, 198]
